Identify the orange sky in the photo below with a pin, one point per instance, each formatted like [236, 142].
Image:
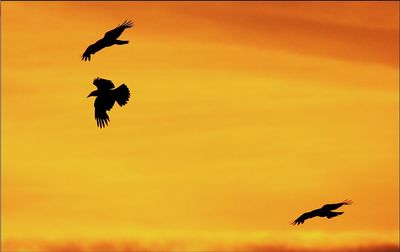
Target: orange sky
[243, 116]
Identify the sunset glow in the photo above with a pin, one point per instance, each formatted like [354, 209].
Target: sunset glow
[243, 115]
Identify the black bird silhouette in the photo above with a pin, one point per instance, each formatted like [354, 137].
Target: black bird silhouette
[110, 38]
[325, 211]
[106, 97]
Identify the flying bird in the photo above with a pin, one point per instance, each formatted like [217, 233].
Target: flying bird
[110, 38]
[325, 211]
[106, 96]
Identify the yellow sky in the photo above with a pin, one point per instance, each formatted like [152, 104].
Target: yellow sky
[242, 116]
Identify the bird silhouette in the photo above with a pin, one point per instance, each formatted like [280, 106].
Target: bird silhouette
[106, 96]
[110, 38]
[325, 211]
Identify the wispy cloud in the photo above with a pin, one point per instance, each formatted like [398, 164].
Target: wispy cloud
[130, 246]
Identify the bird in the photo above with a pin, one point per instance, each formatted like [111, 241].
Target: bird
[324, 211]
[106, 95]
[109, 39]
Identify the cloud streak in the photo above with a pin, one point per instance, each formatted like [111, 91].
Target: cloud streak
[131, 246]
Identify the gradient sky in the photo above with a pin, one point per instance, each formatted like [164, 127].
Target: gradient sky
[242, 116]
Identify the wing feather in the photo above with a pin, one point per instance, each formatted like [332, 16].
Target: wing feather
[303, 217]
[101, 106]
[92, 49]
[101, 116]
[103, 84]
[330, 207]
[116, 32]
[122, 95]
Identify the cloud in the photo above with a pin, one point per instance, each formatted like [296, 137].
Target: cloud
[134, 246]
[350, 31]
[280, 248]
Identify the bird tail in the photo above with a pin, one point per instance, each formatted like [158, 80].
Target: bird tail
[122, 95]
[333, 214]
[121, 42]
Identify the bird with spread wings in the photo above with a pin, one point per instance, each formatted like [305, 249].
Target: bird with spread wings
[325, 211]
[106, 95]
[109, 39]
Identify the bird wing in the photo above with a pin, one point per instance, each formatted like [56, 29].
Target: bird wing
[122, 94]
[101, 106]
[101, 116]
[330, 207]
[304, 217]
[103, 84]
[92, 49]
[116, 32]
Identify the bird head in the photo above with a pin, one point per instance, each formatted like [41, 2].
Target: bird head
[94, 93]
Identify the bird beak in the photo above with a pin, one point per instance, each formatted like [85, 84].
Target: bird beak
[91, 94]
